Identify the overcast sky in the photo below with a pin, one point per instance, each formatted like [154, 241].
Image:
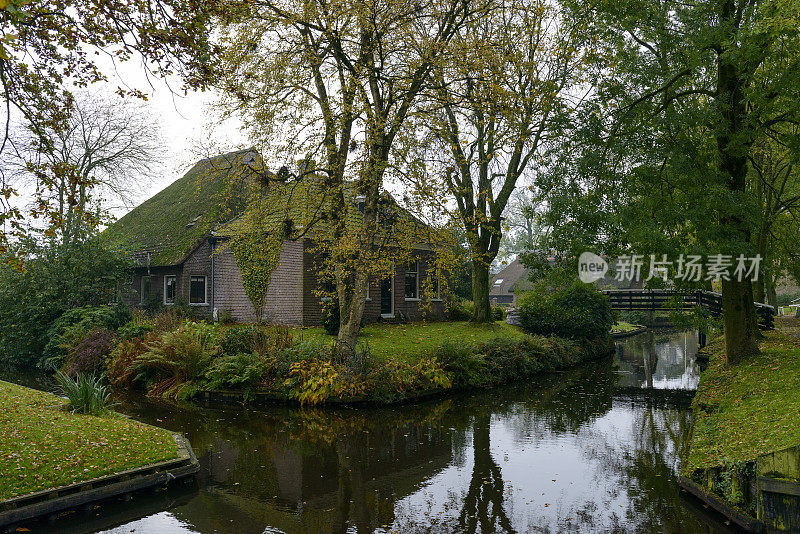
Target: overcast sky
[186, 122]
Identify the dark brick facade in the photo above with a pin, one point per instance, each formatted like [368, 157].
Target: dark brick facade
[291, 297]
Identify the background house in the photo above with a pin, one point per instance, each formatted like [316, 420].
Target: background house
[508, 282]
[181, 254]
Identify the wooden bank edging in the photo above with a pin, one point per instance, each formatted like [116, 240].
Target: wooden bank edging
[747, 522]
[50, 502]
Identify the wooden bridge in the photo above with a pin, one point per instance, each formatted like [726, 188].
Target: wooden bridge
[667, 299]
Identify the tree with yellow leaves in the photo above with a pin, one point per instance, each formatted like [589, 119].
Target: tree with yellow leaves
[333, 84]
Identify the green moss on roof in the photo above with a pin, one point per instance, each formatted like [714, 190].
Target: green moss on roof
[173, 222]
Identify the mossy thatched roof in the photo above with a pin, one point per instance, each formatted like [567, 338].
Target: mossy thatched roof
[171, 224]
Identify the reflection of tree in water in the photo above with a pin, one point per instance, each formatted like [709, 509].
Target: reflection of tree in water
[654, 356]
[366, 470]
[483, 504]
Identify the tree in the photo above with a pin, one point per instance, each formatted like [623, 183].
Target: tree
[773, 180]
[491, 111]
[55, 279]
[524, 228]
[48, 47]
[101, 154]
[335, 82]
[683, 93]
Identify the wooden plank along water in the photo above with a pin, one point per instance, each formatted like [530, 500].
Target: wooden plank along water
[55, 500]
[668, 299]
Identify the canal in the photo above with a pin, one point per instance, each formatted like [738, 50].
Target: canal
[595, 449]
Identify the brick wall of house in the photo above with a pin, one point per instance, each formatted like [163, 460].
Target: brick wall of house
[414, 310]
[285, 293]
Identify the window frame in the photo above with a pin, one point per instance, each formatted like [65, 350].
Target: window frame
[415, 272]
[175, 295]
[436, 296]
[205, 290]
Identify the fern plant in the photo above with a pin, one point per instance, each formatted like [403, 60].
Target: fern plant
[178, 361]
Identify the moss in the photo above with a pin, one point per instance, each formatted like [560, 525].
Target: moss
[749, 409]
[171, 223]
[44, 446]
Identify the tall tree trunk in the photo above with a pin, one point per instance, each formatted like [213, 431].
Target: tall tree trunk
[351, 315]
[772, 293]
[482, 312]
[741, 325]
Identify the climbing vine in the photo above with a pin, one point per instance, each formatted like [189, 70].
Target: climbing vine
[257, 251]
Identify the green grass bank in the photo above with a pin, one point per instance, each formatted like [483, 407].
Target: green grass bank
[747, 410]
[412, 341]
[43, 446]
[743, 457]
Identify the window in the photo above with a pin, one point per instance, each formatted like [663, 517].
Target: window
[435, 287]
[498, 282]
[170, 285]
[412, 281]
[368, 299]
[145, 289]
[197, 290]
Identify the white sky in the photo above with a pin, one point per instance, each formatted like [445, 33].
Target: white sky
[186, 122]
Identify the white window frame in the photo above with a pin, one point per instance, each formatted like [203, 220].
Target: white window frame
[367, 298]
[205, 290]
[142, 294]
[174, 277]
[437, 295]
[416, 278]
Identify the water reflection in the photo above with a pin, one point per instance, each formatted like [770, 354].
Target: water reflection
[661, 360]
[578, 451]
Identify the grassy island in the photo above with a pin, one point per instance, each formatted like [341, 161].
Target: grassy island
[43, 446]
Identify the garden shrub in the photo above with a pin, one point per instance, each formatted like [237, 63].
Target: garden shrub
[133, 330]
[177, 361]
[243, 370]
[498, 314]
[466, 367]
[460, 310]
[73, 325]
[121, 362]
[264, 340]
[306, 350]
[88, 355]
[464, 310]
[85, 394]
[577, 311]
[315, 381]
[56, 278]
[330, 318]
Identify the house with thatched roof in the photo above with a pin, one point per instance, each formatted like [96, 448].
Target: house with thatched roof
[178, 239]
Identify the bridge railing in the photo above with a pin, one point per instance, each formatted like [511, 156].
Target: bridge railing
[667, 299]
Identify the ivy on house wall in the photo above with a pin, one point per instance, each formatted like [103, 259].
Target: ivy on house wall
[257, 252]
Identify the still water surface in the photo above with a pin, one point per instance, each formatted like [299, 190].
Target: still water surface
[594, 449]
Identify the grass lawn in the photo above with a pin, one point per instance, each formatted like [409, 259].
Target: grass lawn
[749, 409]
[621, 327]
[44, 446]
[410, 341]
